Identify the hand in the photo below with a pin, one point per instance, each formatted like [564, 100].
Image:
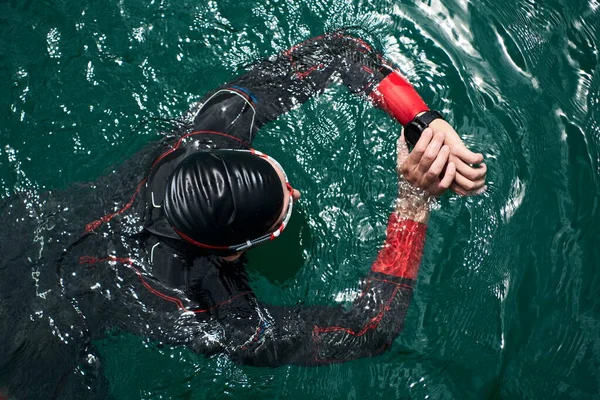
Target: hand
[425, 167]
[469, 180]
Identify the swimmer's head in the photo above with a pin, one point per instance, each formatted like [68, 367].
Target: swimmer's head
[226, 201]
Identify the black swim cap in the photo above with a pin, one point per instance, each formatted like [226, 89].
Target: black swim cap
[223, 198]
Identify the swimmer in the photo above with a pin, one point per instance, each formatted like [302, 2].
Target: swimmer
[168, 263]
[211, 197]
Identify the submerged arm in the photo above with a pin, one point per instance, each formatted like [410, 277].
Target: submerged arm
[265, 335]
[275, 335]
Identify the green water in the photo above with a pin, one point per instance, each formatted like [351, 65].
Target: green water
[508, 299]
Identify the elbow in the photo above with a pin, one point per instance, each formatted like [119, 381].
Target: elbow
[346, 345]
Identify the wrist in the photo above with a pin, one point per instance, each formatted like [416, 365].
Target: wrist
[443, 125]
[413, 203]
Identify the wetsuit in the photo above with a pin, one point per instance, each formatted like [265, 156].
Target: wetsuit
[217, 292]
[127, 269]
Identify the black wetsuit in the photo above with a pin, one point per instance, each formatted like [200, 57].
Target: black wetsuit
[127, 269]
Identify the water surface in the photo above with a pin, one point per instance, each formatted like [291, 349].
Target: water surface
[508, 299]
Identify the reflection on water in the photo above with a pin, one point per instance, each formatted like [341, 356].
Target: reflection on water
[507, 302]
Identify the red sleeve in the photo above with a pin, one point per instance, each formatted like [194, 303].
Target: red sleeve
[398, 97]
[402, 250]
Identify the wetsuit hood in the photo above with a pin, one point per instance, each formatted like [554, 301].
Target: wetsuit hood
[223, 197]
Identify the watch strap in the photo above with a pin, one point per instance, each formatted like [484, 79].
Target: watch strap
[414, 129]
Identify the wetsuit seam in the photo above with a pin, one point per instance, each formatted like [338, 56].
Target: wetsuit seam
[372, 324]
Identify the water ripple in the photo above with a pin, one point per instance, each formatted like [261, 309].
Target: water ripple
[506, 304]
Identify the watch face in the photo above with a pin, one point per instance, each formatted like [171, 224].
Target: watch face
[412, 131]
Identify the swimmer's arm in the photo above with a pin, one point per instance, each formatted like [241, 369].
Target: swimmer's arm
[424, 173]
[297, 74]
[317, 335]
[294, 76]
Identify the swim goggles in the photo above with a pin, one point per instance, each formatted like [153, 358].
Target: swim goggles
[269, 236]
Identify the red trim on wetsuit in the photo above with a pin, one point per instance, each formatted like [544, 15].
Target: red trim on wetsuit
[398, 97]
[371, 324]
[310, 70]
[403, 248]
[92, 226]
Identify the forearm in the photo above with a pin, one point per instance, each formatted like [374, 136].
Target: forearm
[297, 74]
[405, 239]
[377, 316]
[301, 335]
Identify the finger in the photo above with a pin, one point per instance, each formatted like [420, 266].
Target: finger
[449, 176]
[457, 189]
[467, 155]
[438, 165]
[422, 144]
[469, 172]
[432, 151]
[469, 186]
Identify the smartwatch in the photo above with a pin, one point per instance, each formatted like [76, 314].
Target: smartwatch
[412, 131]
